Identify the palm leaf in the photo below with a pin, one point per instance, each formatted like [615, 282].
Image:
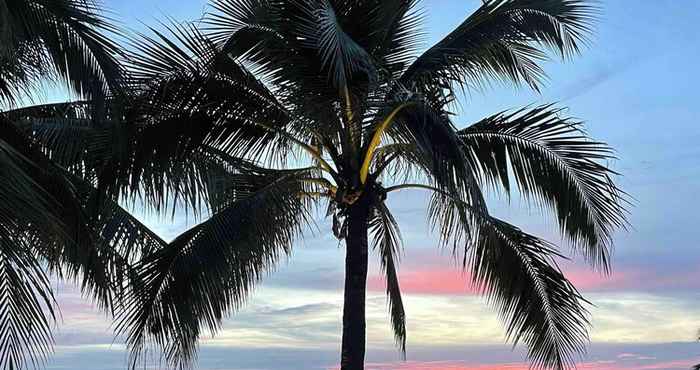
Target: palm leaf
[28, 305]
[540, 306]
[555, 164]
[392, 33]
[519, 275]
[190, 284]
[43, 228]
[387, 242]
[500, 41]
[87, 237]
[340, 55]
[432, 137]
[194, 94]
[89, 65]
[21, 69]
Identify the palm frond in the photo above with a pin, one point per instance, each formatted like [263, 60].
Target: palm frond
[541, 307]
[340, 55]
[70, 110]
[231, 16]
[519, 275]
[430, 133]
[72, 36]
[21, 70]
[194, 281]
[501, 41]
[300, 48]
[42, 227]
[398, 162]
[28, 305]
[393, 32]
[121, 239]
[555, 164]
[134, 157]
[80, 235]
[25, 293]
[387, 242]
[200, 96]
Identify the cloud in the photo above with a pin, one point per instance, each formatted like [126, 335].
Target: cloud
[428, 281]
[668, 356]
[427, 273]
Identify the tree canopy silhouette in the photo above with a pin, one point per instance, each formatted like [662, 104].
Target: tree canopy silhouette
[267, 110]
[341, 87]
[48, 225]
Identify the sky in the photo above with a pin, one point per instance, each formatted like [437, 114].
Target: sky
[637, 89]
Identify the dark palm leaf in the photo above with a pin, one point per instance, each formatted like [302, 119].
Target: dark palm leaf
[540, 306]
[21, 70]
[62, 158]
[387, 242]
[190, 284]
[304, 49]
[430, 134]
[556, 164]
[25, 293]
[45, 226]
[43, 29]
[26, 298]
[499, 41]
[121, 238]
[518, 273]
[194, 97]
[393, 32]
[340, 55]
[63, 221]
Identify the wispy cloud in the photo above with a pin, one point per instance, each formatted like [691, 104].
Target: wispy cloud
[439, 277]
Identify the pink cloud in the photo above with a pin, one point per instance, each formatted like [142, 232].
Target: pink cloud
[438, 277]
[588, 280]
[631, 278]
[429, 281]
[451, 281]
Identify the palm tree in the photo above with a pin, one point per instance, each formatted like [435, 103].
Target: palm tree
[50, 221]
[274, 108]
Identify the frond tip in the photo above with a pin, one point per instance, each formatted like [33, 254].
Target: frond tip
[539, 305]
[387, 243]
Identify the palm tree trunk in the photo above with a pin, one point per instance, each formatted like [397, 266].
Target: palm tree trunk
[353, 348]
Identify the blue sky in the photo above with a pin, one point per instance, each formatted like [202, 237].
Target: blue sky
[637, 89]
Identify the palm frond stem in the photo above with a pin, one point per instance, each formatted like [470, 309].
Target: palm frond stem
[376, 138]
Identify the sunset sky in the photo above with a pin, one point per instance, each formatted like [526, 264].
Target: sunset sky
[637, 89]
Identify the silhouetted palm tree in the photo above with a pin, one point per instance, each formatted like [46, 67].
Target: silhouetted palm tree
[46, 223]
[276, 108]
